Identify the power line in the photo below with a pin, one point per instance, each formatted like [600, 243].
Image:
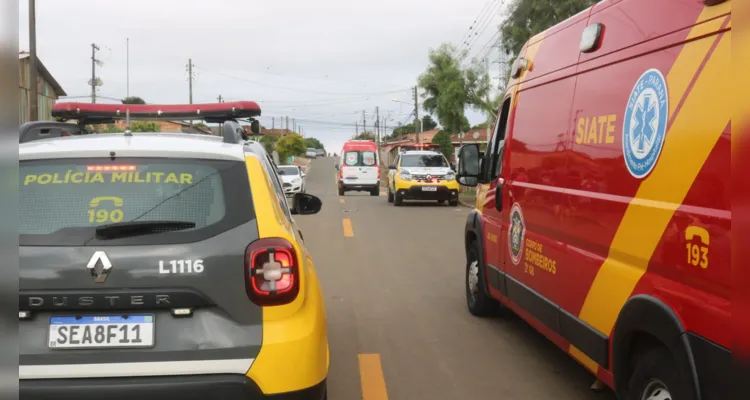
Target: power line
[493, 12]
[484, 16]
[468, 33]
[295, 89]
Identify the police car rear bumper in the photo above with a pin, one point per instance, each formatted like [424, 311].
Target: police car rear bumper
[188, 387]
[417, 193]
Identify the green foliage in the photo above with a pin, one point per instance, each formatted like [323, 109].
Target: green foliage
[290, 145]
[449, 89]
[314, 143]
[428, 123]
[269, 142]
[443, 139]
[526, 18]
[133, 100]
[144, 126]
[110, 128]
[365, 136]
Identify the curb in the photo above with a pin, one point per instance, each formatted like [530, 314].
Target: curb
[465, 204]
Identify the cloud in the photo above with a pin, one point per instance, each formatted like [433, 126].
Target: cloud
[325, 60]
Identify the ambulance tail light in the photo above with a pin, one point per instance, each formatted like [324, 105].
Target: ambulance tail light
[271, 272]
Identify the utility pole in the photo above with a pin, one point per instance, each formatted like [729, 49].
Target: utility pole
[127, 67]
[273, 122]
[489, 114]
[190, 78]
[33, 90]
[220, 99]
[94, 61]
[377, 125]
[356, 127]
[416, 115]
[294, 125]
[287, 123]
[364, 122]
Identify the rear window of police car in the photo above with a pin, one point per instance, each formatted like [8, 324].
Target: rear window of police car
[63, 201]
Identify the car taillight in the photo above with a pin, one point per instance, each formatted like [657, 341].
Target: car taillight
[341, 172]
[271, 272]
[378, 173]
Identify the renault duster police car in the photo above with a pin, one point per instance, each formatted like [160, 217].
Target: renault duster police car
[162, 265]
[422, 175]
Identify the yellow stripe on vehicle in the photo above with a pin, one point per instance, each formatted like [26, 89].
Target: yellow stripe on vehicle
[690, 139]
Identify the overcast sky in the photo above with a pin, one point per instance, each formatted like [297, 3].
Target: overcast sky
[320, 62]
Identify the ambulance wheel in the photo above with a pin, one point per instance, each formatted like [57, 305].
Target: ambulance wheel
[341, 191]
[656, 377]
[397, 199]
[479, 302]
[375, 191]
[390, 195]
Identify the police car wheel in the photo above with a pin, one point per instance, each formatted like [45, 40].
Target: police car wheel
[479, 303]
[453, 203]
[441, 201]
[397, 199]
[656, 377]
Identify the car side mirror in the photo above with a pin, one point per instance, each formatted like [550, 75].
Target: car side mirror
[392, 166]
[306, 204]
[468, 165]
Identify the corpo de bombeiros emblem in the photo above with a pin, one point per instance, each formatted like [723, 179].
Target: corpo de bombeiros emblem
[517, 233]
[645, 123]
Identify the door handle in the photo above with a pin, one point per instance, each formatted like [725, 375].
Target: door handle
[499, 194]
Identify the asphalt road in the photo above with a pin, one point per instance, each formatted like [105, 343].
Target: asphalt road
[398, 326]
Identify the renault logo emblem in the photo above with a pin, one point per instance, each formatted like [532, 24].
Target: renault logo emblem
[99, 267]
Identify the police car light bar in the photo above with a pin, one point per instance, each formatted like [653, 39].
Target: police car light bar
[213, 112]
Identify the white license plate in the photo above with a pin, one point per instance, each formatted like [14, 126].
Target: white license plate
[101, 331]
[429, 189]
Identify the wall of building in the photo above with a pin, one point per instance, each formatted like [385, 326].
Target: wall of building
[46, 94]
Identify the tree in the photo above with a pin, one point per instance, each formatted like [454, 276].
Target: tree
[365, 136]
[526, 18]
[290, 145]
[443, 139]
[483, 125]
[269, 142]
[314, 143]
[428, 123]
[133, 100]
[144, 126]
[449, 88]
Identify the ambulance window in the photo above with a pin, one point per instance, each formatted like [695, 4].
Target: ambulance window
[368, 158]
[498, 140]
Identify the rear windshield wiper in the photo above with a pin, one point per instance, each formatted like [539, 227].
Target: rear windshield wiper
[137, 228]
